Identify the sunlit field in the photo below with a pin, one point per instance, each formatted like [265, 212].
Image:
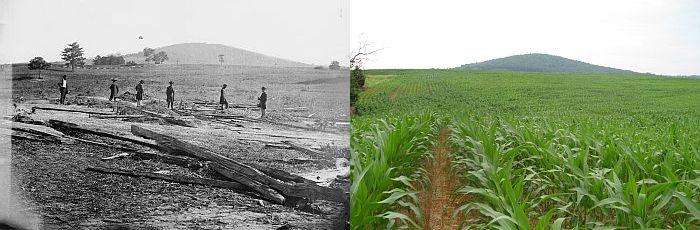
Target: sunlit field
[529, 150]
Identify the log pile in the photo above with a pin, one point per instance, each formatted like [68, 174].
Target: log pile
[268, 183]
[70, 110]
[171, 178]
[268, 186]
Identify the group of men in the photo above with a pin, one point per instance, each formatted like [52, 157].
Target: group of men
[169, 93]
[262, 100]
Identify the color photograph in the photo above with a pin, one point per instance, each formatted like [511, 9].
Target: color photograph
[525, 115]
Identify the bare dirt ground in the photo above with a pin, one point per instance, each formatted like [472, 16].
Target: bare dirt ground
[52, 179]
[439, 199]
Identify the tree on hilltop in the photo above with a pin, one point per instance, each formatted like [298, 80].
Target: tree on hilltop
[38, 63]
[73, 54]
[148, 51]
[158, 58]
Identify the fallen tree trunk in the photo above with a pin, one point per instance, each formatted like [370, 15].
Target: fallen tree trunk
[224, 116]
[243, 106]
[282, 175]
[238, 171]
[117, 116]
[47, 132]
[70, 110]
[313, 153]
[171, 178]
[29, 137]
[262, 189]
[169, 159]
[279, 146]
[105, 145]
[228, 123]
[115, 156]
[288, 136]
[169, 119]
[62, 125]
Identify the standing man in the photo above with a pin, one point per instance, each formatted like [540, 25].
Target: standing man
[64, 90]
[222, 99]
[139, 93]
[113, 90]
[262, 102]
[170, 94]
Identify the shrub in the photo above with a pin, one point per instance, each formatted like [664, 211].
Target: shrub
[38, 63]
[109, 60]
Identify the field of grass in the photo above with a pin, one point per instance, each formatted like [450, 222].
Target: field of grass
[533, 150]
[286, 87]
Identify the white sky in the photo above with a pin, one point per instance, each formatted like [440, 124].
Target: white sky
[658, 36]
[309, 31]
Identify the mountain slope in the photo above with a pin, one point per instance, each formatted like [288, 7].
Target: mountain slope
[542, 63]
[203, 53]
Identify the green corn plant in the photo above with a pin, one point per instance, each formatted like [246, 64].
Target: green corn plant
[386, 163]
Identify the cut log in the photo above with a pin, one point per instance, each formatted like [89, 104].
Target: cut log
[211, 118]
[275, 143]
[117, 116]
[297, 109]
[228, 123]
[235, 170]
[171, 178]
[70, 110]
[281, 175]
[39, 130]
[105, 145]
[313, 153]
[242, 106]
[289, 136]
[260, 188]
[115, 156]
[62, 125]
[224, 116]
[279, 146]
[186, 162]
[29, 137]
[169, 119]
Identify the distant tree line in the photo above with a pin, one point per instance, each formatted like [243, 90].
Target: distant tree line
[73, 56]
[156, 58]
[109, 60]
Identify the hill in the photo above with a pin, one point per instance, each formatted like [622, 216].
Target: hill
[542, 63]
[203, 53]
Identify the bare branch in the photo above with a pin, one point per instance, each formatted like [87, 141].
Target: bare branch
[362, 54]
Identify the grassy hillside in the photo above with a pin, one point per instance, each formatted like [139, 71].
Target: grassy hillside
[203, 53]
[542, 63]
[528, 150]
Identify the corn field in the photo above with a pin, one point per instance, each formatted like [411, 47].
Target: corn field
[531, 150]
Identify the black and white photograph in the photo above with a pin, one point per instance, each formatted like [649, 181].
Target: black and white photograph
[174, 114]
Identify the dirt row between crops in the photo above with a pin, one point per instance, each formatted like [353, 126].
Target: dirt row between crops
[439, 200]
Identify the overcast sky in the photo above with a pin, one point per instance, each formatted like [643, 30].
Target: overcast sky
[309, 31]
[658, 36]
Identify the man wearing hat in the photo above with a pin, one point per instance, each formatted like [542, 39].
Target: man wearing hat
[139, 93]
[113, 90]
[170, 94]
[222, 99]
[63, 87]
[262, 101]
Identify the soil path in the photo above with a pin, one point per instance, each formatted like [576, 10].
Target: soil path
[439, 201]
